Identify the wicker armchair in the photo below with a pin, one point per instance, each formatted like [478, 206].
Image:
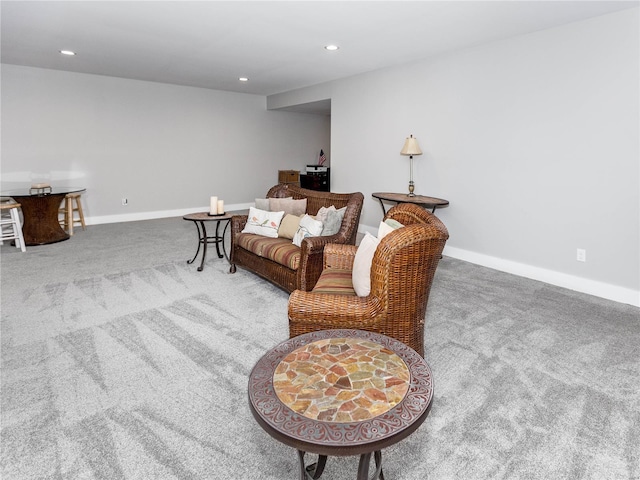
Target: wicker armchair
[402, 271]
[305, 276]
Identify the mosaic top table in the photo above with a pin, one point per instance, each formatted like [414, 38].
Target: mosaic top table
[340, 392]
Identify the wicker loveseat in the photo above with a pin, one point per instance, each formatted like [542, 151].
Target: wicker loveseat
[303, 264]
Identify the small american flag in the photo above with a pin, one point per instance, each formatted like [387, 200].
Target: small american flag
[322, 158]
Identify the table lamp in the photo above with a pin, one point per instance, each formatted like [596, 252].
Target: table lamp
[411, 148]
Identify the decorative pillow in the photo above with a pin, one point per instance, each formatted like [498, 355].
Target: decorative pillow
[262, 204]
[388, 226]
[323, 212]
[333, 222]
[309, 227]
[289, 226]
[393, 223]
[361, 273]
[263, 223]
[288, 205]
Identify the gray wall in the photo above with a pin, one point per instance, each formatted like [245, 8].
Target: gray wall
[533, 140]
[166, 148]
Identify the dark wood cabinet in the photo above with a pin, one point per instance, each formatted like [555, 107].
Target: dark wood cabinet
[319, 181]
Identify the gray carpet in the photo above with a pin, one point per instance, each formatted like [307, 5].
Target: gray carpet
[120, 361]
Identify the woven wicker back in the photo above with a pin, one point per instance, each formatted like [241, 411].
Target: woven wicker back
[402, 272]
[316, 200]
[410, 214]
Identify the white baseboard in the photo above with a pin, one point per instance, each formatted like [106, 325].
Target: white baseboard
[578, 284]
[571, 282]
[133, 217]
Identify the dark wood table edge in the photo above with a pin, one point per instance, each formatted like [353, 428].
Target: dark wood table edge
[406, 198]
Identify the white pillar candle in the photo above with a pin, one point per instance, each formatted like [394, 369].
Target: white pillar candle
[220, 207]
[214, 205]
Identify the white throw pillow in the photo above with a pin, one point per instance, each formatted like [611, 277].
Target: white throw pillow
[323, 212]
[263, 223]
[361, 273]
[387, 227]
[309, 227]
[333, 221]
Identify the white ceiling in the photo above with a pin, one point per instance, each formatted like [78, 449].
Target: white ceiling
[277, 45]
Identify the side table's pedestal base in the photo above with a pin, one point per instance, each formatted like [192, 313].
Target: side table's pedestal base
[314, 470]
[42, 226]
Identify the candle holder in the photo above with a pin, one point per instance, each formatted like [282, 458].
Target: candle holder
[217, 214]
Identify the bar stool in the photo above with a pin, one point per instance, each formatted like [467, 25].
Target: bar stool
[10, 224]
[68, 209]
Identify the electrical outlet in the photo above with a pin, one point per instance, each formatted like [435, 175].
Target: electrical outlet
[125, 201]
[581, 255]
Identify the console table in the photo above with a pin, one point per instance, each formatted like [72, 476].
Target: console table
[426, 202]
[340, 392]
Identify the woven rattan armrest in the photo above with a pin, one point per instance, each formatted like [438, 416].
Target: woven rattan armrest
[310, 311]
[339, 256]
[238, 222]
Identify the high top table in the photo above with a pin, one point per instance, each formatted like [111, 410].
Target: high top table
[40, 208]
[340, 392]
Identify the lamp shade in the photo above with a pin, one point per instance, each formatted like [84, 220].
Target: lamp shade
[411, 147]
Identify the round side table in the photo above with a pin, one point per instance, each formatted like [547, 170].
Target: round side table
[199, 219]
[340, 392]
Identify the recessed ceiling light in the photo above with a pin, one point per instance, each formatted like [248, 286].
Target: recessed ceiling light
[243, 79]
[331, 48]
[67, 52]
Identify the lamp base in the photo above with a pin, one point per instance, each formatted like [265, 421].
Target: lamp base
[411, 188]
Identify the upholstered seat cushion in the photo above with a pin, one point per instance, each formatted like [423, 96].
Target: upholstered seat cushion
[280, 250]
[250, 242]
[335, 281]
